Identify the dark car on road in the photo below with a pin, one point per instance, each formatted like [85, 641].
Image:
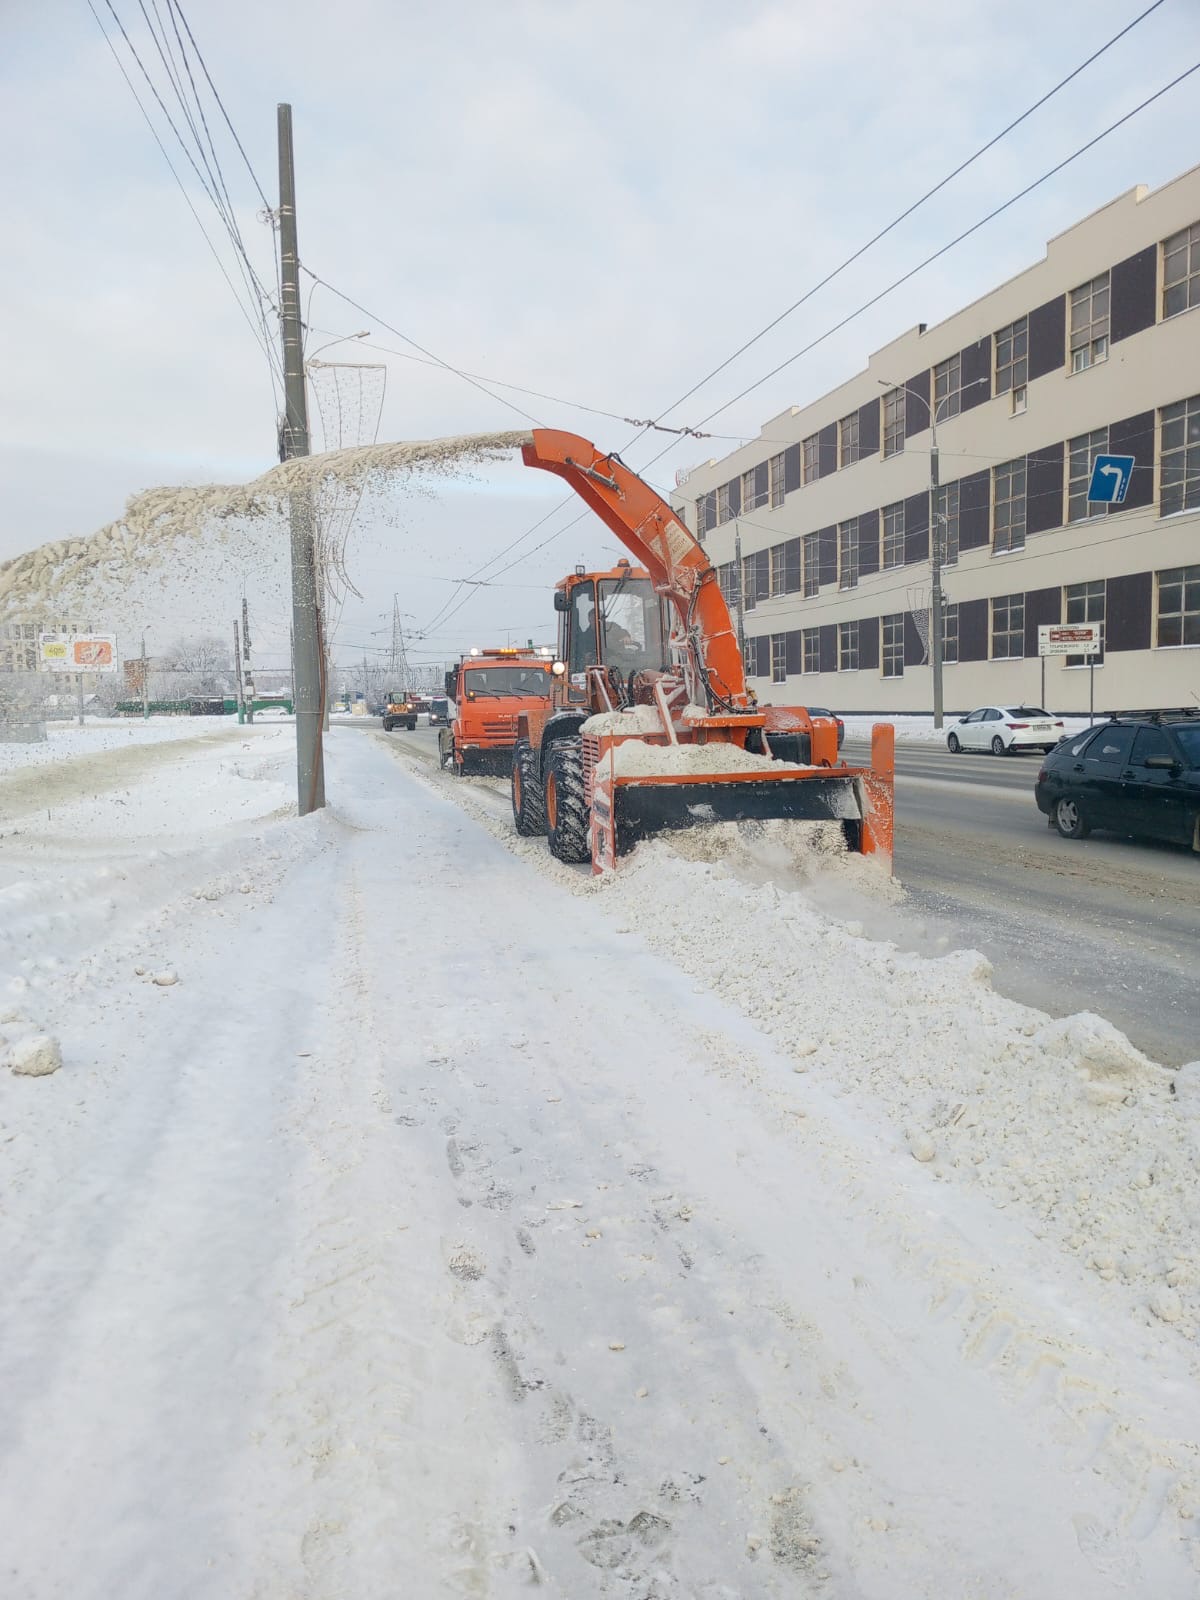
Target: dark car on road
[1137, 773]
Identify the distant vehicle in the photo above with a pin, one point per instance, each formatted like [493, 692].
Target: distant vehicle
[823, 711]
[489, 689]
[439, 712]
[1003, 729]
[1137, 773]
[400, 711]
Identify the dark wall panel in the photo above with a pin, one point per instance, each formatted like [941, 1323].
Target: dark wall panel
[762, 483]
[914, 650]
[827, 555]
[1047, 337]
[868, 644]
[827, 451]
[735, 497]
[868, 429]
[1044, 489]
[1041, 606]
[791, 468]
[916, 528]
[829, 647]
[916, 404]
[1134, 436]
[973, 630]
[975, 511]
[710, 512]
[1127, 612]
[762, 575]
[975, 372]
[791, 567]
[1134, 294]
[868, 543]
[793, 642]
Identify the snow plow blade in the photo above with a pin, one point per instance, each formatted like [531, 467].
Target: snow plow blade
[627, 809]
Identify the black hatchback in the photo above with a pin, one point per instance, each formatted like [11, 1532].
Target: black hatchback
[1137, 773]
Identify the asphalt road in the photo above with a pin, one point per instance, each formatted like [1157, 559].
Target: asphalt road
[1103, 924]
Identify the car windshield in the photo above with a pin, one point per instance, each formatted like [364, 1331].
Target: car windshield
[498, 683]
[1189, 738]
[1025, 712]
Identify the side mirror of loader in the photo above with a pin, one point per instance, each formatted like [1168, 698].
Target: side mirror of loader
[449, 685]
[562, 600]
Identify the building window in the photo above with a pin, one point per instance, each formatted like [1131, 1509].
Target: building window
[778, 658]
[1181, 271]
[812, 565]
[1008, 627]
[1089, 323]
[1179, 487]
[727, 580]
[778, 570]
[947, 388]
[811, 457]
[949, 634]
[1085, 603]
[811, 650]
[1012, 358]
[1008, 507]
[947, 523]
[701, 518]
[1179, 606]
[749, 584]
[848, 554]
[722, 504]
[893, 422]
[847, 646]
[1081, 453]
[1020, 400]
[752, 499]
[848, 440]
[777, 480]
[893, 535]
[893, 645]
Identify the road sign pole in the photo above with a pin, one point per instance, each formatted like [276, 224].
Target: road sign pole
[1042, 701]
[1091, 690]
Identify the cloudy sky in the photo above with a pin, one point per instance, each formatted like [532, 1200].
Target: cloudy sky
[598, 203]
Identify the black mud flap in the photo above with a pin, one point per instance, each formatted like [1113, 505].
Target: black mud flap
[645, 808]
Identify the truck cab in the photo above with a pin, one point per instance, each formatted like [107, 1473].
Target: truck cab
[489, 690]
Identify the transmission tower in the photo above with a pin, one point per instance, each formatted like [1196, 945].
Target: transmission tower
[398, 661]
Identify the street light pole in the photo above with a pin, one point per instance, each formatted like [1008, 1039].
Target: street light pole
[937, 552]
[145, 683]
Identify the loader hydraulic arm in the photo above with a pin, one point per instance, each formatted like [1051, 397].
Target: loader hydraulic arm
[659, 541]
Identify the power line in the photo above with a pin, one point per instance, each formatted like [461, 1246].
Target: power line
[909, 210]
[175, 6]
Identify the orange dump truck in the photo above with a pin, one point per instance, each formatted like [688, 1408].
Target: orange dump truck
[489, 690]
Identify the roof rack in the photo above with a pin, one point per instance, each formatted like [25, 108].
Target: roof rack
[1154, 714]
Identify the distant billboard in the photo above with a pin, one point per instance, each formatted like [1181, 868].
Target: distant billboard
[78, 652]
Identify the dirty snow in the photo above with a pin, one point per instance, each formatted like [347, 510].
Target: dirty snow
[636, 758]
[357, 1262]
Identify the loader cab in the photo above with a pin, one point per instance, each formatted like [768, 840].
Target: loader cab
[611, 619]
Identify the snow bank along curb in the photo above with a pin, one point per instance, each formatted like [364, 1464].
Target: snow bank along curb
[1063, 1123]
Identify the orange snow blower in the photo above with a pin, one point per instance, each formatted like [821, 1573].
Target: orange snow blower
[651, 726]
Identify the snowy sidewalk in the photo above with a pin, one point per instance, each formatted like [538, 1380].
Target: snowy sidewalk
[434, 1235]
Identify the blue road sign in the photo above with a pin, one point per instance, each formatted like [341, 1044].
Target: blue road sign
[1110, 479]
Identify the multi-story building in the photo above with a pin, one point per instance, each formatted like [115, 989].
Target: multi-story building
[1094, 350]
[19, 642]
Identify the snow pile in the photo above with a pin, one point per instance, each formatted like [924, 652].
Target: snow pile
[636, 758]
[638, 719]
[36, 1056]
[104, 733]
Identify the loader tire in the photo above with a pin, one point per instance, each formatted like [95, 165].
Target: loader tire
[528, 801]
[566, 808]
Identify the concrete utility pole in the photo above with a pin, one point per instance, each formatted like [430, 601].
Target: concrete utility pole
[937, 549]
[306, 619]
[145, 683]
[237, 675]
[741, 608]
[246, 671]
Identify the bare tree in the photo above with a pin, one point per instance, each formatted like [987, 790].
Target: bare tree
[202, 664]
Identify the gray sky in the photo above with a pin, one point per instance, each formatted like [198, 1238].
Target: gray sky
[599, 203]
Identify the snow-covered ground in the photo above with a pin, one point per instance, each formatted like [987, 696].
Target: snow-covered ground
[64, 740]
[456, 1224]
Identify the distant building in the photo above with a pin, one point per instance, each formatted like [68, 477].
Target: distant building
[19, 642]
[1094, 350]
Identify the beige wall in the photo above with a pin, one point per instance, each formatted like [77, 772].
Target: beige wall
[1144, 372]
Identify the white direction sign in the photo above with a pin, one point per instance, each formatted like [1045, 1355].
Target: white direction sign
[1080, 639]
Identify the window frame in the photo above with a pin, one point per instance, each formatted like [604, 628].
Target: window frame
[1010, 346]
[892, 432]
[810, 458]
[810, 649]
[723, 512]
[1013, 608]
[1077, 483]
[949, 614]
[891, 644]
[810, 565]
[848, 646]
[1013, 527]
[947, 387]
[1084, 338]
[776, 480]
[895, 533]
[847, 437]
[847, 554]
[1188, 614]
[1187, 241]
[778, 579]
[1078, 608]
[950, 521]
[778, 658]
[1187, 490]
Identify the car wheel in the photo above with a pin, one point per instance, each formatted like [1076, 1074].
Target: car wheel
[952, 744]
[998, 745]
[1069, 819]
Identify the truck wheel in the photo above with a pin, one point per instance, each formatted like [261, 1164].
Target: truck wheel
[411, 726]
[388, 725]
[566, 809]
[528, 801]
